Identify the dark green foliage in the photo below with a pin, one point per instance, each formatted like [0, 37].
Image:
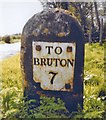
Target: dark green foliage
[6, 39]
[47, 109]
[10, 38]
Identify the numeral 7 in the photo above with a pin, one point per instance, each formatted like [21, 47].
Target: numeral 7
[54, 74]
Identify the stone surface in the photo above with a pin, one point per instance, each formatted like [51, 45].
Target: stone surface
[55, 25]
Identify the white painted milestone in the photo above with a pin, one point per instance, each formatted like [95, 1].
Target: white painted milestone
[53, 65]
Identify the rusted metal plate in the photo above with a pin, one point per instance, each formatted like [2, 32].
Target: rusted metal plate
[53, 65]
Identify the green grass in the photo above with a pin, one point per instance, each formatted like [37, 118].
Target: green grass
[94, 81]
[11, 83]
[94, 89]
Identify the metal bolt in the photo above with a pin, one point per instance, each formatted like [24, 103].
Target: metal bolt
[38, 47]
[69, 49]
[68, 86]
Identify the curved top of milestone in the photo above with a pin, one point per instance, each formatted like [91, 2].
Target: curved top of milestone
[53, 24]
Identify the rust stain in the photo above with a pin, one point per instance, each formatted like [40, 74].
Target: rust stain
[40, 93]
[25, 83]
[38, 48]
[75, 95]
[69, 49]
[37, 80]
[46, 88]
[69, 85]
